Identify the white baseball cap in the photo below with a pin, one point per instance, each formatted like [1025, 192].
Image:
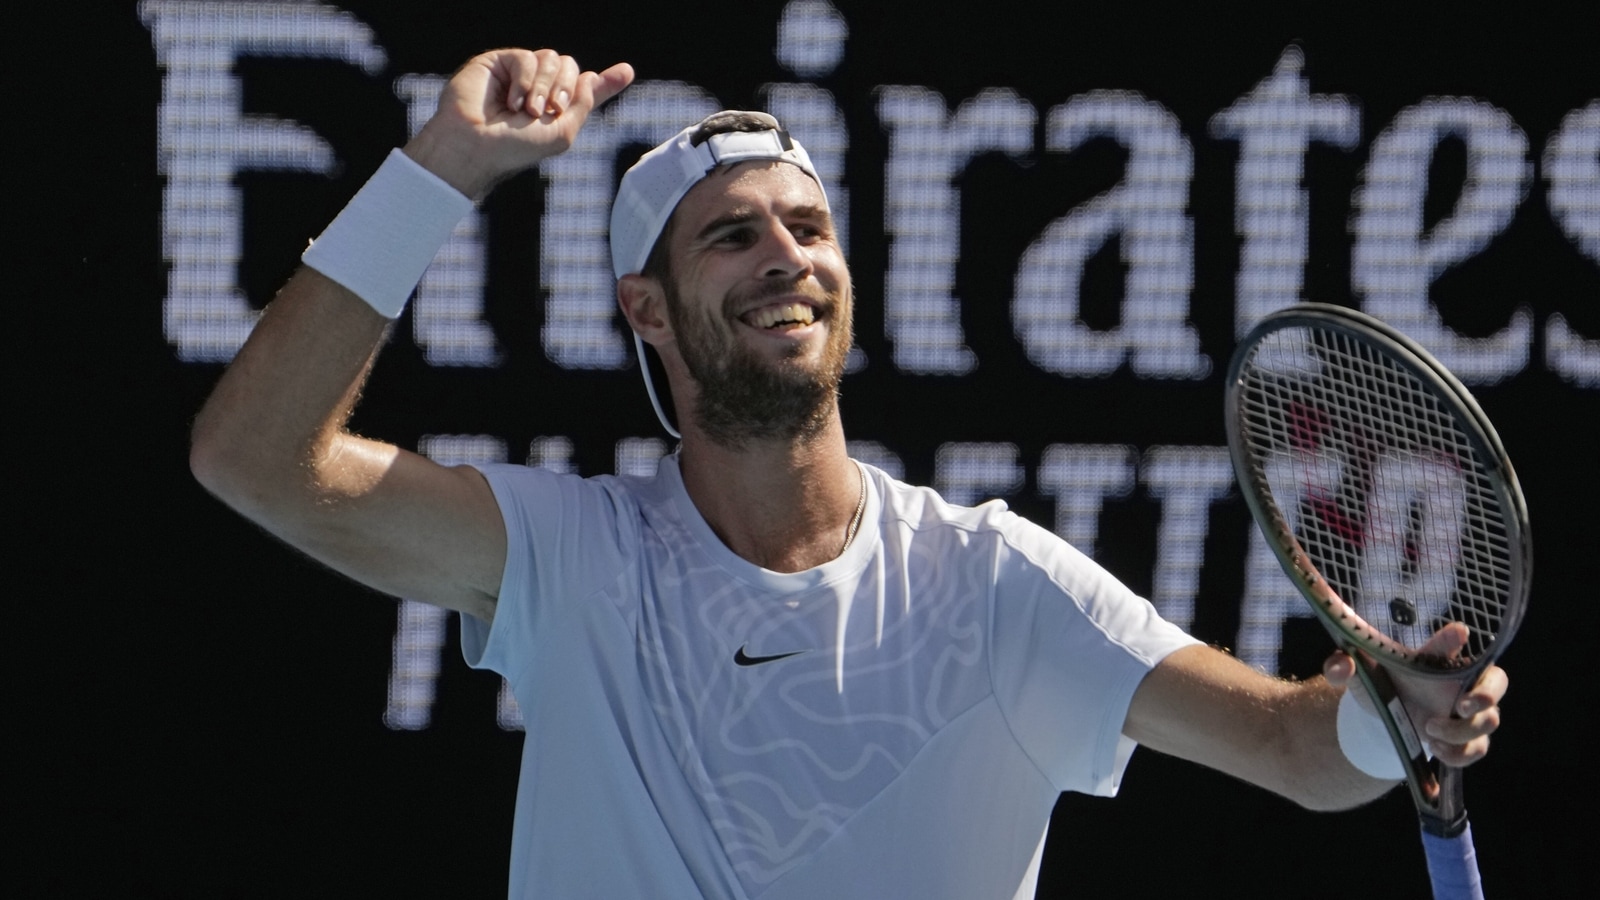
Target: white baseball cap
[651, 189]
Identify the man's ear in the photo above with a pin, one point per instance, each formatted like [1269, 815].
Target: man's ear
[644, 304]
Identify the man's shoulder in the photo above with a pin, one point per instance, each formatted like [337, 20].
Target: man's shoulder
[930, 515]
[539, 489]
[920, 507]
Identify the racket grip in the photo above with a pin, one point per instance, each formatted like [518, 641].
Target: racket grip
[1453, 866]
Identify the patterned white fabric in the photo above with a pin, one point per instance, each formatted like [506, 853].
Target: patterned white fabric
[896, 722]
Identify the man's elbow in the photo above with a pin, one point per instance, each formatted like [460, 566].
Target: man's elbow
[223, 465]
[210, 463]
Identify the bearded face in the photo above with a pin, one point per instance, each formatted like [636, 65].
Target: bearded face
[745, 397]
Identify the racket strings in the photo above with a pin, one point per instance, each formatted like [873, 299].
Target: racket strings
[1385, 491]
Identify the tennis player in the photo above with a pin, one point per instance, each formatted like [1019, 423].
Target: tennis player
[769, 669]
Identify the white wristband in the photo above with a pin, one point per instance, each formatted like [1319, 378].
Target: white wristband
[383, 240]
[1365, 740]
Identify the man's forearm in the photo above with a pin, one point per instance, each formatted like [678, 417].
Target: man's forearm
[1205, 706]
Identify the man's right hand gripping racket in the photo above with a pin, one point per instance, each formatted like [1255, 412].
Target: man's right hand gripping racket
[1388, 499]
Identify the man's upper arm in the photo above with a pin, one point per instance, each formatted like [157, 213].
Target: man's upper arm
[1070, 644]
[422, 531]
[271, 443]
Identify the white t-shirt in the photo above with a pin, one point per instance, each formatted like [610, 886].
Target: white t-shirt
[896, 722]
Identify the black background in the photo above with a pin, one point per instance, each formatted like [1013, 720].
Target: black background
[199, 708]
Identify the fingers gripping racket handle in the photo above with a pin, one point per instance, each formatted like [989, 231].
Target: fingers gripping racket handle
[1453, 866]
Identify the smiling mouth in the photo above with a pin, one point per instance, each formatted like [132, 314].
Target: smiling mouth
[781, 316]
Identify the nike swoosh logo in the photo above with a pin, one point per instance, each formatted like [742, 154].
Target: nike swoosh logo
[742, 659]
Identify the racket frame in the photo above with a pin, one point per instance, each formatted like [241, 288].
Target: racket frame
[1438, 796]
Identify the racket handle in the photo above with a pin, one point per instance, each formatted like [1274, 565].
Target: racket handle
[1453, 866]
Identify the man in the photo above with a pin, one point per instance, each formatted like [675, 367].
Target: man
[768, 670]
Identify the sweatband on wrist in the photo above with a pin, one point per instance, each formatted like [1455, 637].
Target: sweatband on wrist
[1365, 740]
[381, 243]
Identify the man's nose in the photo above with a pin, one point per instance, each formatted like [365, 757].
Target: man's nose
[784, 255]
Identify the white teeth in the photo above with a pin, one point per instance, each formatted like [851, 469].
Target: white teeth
[786, 314]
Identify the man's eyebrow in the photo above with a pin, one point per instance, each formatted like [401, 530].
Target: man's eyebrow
[726, 220]
[815, 212]
[740, 216]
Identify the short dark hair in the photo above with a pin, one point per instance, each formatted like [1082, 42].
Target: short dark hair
[735, 120]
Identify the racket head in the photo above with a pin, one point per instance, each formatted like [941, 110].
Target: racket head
[1380, 485]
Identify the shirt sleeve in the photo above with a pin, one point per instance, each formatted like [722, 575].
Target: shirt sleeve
[1070, 645]
[562, 543]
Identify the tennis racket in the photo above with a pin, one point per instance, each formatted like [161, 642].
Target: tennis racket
[1389, 501]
